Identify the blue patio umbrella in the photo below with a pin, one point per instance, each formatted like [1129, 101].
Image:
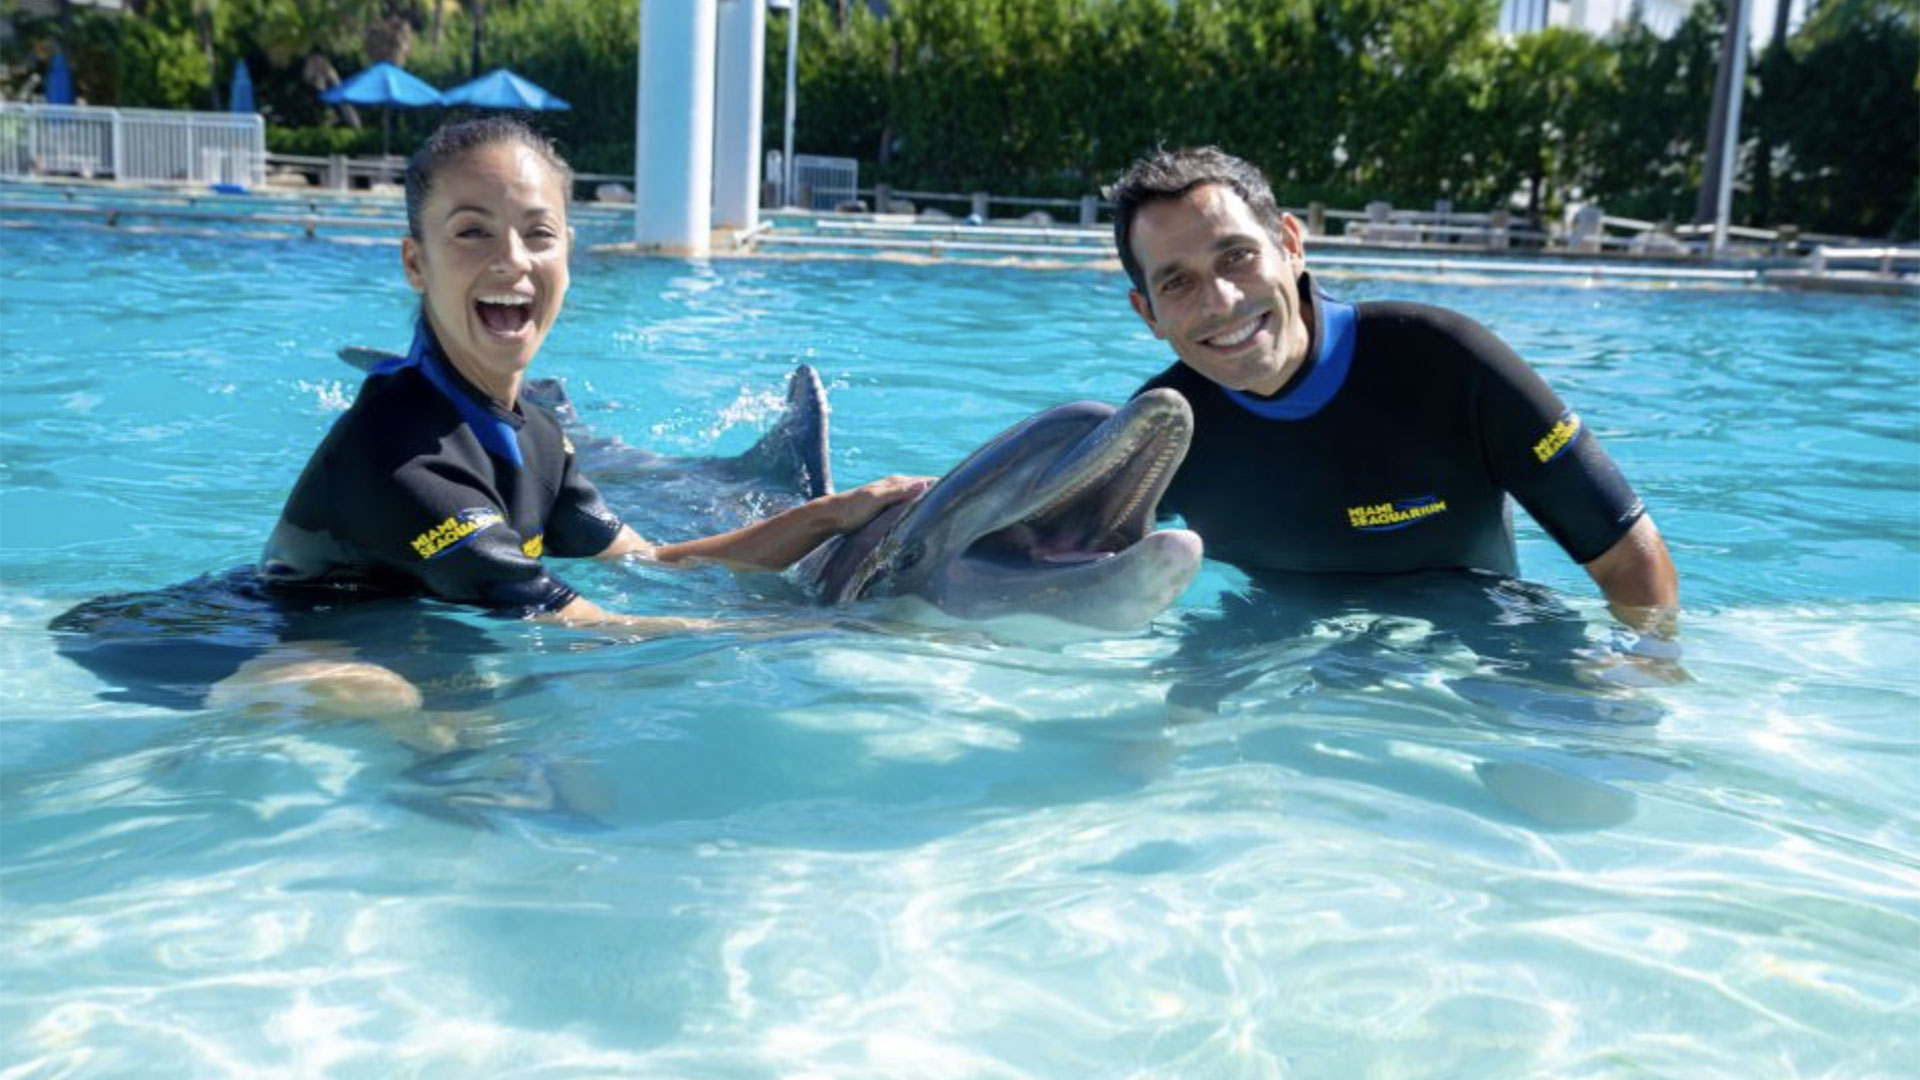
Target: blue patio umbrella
[502, 89]
[240, 94]
[388, 87]
[383, 84]
[59, 81]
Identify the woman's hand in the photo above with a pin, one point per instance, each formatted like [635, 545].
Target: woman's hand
[583, 612]
[774, 543]
[848, 510]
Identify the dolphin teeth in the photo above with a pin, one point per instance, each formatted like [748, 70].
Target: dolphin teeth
[1113, 530]
[1147, 483]
[1074, 558]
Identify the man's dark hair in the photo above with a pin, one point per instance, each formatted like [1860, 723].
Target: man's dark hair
[455, 141]
[1169, 174]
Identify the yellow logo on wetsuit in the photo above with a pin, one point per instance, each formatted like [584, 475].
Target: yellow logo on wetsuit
[454, 531]
[1398, 514]
[534, 546]
[1558, 438]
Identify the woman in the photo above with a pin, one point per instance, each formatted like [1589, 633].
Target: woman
[439, 480]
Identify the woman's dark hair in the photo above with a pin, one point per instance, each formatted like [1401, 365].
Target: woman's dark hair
[455, 141]
[1169, 174]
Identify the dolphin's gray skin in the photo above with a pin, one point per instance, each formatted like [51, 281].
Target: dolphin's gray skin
[1052, 517]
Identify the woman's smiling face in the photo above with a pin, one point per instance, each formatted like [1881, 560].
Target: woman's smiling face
[491, 262]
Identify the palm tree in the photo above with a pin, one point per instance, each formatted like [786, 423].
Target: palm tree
[389, 37]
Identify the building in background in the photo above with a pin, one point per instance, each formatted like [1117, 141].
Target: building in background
[51, 8]
[1663, 17]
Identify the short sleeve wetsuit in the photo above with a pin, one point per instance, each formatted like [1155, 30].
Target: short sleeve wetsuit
[1393, 450]
[426, 485]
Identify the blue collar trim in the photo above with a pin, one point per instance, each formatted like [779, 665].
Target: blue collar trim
[497, 436]
[1336, 325]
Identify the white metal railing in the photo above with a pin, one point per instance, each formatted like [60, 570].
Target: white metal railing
[1884, 260]
[1382, 224]
[55, 140]
[206, 148]
[144, 146]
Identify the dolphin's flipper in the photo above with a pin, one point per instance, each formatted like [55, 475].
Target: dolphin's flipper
[548, 393]
[795, 449]
[366, 359]
[552, 394]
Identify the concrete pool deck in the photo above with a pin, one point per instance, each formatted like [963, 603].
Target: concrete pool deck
[376, 218]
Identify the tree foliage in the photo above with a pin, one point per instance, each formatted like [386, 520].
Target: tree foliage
[1844, 103]
[582, 50]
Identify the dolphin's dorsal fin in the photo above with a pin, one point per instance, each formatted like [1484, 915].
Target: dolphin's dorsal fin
[794, 449]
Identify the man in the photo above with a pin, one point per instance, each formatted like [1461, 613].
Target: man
[1379, 437]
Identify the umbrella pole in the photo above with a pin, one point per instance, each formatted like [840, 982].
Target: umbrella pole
[386, 136]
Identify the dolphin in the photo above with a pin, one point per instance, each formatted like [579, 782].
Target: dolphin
[1053, 517]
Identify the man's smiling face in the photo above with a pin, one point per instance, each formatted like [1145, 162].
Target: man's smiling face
[1222, 288]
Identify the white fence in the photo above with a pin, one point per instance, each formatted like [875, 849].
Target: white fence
[141, 146]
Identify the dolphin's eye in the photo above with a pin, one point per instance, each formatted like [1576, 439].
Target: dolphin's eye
[909, 558]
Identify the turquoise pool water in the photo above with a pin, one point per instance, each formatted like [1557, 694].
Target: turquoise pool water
[1402, 847]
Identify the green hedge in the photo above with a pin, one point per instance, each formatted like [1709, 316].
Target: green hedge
[1349, 101]
[322, 141]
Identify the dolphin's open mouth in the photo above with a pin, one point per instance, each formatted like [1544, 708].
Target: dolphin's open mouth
[1103, 498]
[1052, 517]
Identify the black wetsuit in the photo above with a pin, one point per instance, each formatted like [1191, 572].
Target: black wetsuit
[1391, 453]
[428, 486]
[423, 487]
[1393, 450]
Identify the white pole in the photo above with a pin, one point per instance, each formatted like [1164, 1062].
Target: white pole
[737, 111]
[793, 90]
[120, 170]
[673, 140]
[1730, 138]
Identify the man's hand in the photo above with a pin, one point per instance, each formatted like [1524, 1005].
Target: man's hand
[1638, 578]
